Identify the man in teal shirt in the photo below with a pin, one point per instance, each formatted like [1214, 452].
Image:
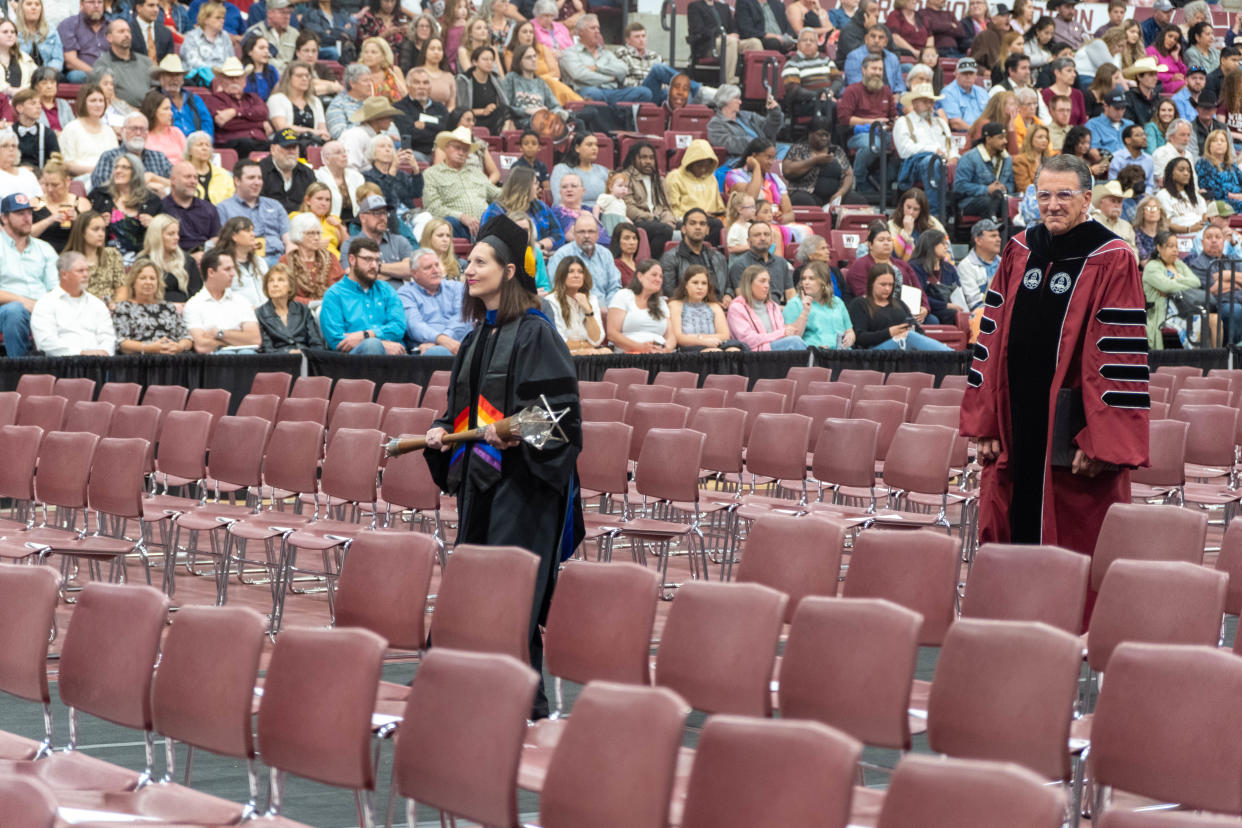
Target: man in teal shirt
[27, 271]
[361, 315]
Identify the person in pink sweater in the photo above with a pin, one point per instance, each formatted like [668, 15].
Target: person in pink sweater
[757, 321]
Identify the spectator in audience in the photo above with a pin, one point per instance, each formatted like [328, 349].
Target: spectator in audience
[106, 270]
[146, 323]
[624, 249]
[975, 272]
[35, 141]
[421, 118]
[1131, 178]
[909, 36]
[261, 75]
[759, 238]
[520, 194]
[454, 191]
[285, 326]
[705, 18]
[1065, 28]
[1158, 127]
[1141, 99]
[61, 205]
[944, 28]
[281, 37]
[162, 134]
[1219, 289]
[547, 67]
[1186, 97]
[161, 245]
[910, 219]
[756, 320]
[155, 164]
[357, 83]
[921, 137]
[569, 206]
[580, 160]
[962, 101]
[1060, 110]
[480, 91]
[985, 175]
[1165, 276]
[1229, 59]
[474, 33]
[1217, 173]
[694, 251]
[293, 105]
[854, 31]
[1177, 195]
[207, 45]
[385, 19]
[1107, 200]
[131, 71]
[149, 34]
[863, 104]
[285, 179]
[199, 219]
[219, 320]
[438, 238]
[594, 71]
[16, 67]
[932, 263]
[645, 67]
[575, 310]
[1078, 143]
[881, 322]
[234, 20]
[527, 94]
[807, 78]
[1035, 151]
[395, 250]
[875, 43]
[827, 323]
[986, 47]
[318, 203]
[271, 222]
[816, 249]
[638, 314]
[435, 61]
[696, 319]
[127, 204]
[1206, 122]
[1065, 84]
[361, 314]
[765, 20]
[341, 180]
[83, 38]
[189, 113]
[1134, 153]
[1166, 50]
[28, 270]
[241, 117]
[548, 29]
[478, 157]
[879, 250]
[237, 238]
[13, 178]
[647, 204]
[117, 110]
[312, 268]
[598, 258]
[67, 320]
[734, 129]
[34, 36]
[1161, 16]
[1150, 219]
[397, 175]
[1107, 129]
[213, 183]
[55, 112]
[757, 176]
[434, 325]
[693, 184]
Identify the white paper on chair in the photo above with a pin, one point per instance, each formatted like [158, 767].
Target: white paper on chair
[912, 298]
[76, 815]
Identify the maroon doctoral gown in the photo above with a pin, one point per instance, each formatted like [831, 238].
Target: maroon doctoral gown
[1063, 312]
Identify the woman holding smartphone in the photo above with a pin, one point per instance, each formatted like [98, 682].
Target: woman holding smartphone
[883, 324]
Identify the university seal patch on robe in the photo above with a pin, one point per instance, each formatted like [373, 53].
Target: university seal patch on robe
[1063, 312]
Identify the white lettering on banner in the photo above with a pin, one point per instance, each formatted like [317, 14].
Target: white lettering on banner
[851, 240]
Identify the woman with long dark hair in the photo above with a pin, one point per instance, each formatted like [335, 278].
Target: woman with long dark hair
[1179, 199]
[911, 218]
[638, 313]
[1164, 276]
[261, 75]
[580, 160]
[510, 493]
[1078, 142]
[574, 309]
[1167, 50]
[881, 322]
[624, 249]
[932, 263]
[696, 319]
[1036, 40]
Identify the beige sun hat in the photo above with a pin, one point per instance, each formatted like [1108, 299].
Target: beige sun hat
[170, 65]
[462, 135]
[1142, 66]
[376, 106]
[231, 68]
[1110, 189]
[922, 91]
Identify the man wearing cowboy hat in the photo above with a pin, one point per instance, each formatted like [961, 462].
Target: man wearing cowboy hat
[1134, 151]
[1065, 28]
[1107, 199]
[920, 136]
[150, 36]
[241, 117]
[131, 71]
[1141, 100]
[454, 190]
[285, 179]
[190, 114]
[373, 117]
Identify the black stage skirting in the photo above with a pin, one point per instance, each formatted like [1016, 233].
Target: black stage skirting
[235, 373]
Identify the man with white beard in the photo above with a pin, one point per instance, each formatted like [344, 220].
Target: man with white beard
[921, 136]
[134, 141]
[1177, 145]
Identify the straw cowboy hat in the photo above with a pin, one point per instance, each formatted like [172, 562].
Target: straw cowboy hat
[376, 106]
[461, 135]
[921, 92]
[170, 65]
[231, 68]
[1142, 66]
[1109, 190]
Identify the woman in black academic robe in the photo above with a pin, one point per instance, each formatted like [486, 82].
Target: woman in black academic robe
[510, 493]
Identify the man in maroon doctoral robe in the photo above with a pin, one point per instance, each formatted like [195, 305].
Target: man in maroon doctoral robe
[1065, 311]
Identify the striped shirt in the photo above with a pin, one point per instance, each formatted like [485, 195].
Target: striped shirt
[813, 73]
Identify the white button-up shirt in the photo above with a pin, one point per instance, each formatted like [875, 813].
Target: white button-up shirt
[204, 312]
[913, 134]
[64, 325]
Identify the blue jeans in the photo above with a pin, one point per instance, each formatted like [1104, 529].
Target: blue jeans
[660, 76]
[369, 347]
[459, 229]
[434, 350]
[914, 341]
[75, 76]
[865, 159]
[913, 170]
[612, 97]
[788, 343]
[15, 326]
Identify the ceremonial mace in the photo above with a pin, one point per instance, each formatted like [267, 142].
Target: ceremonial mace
[536, 425]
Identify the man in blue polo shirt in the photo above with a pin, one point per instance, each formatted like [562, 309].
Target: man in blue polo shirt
[361, 315]
[433, 321]
[1108, 128]
[873, 44]
[27, 272]
[271, 222]
[963, 101]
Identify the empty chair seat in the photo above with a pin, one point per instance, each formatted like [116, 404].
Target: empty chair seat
[932, 792]
[120, 393]
[36, 385]
[399, 395]
[320, 387]
[78, 389]
[271, 382]
[1028, 583]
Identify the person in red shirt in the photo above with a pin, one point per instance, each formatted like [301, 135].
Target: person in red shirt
[862, 104]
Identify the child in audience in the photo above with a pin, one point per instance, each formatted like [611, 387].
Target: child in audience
[610, 207]
[739, 213]
[529, 146]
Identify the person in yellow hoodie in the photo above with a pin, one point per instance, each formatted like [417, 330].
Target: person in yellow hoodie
[694, 184]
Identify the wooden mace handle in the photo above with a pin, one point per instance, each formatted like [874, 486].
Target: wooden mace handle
[404, 445]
